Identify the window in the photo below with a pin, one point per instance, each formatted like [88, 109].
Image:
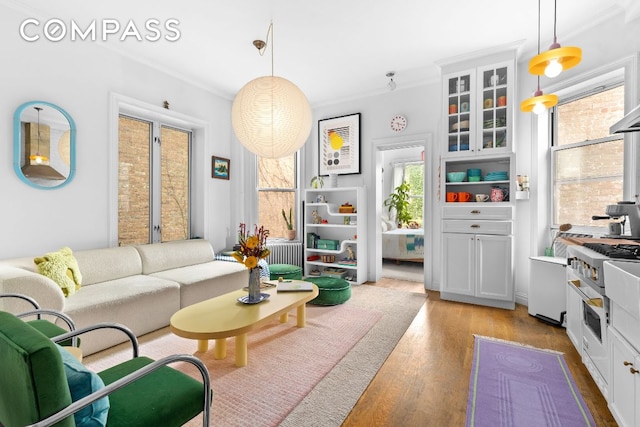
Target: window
[277, 191]
[587, 162]
[153, 182]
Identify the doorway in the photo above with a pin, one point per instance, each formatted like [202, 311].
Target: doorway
[406, 252]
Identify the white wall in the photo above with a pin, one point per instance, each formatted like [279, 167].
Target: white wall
[79, 77]
[421, 106]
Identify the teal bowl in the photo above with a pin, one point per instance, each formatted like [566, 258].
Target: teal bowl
[474, 172]
[456, 176]
[474, 178]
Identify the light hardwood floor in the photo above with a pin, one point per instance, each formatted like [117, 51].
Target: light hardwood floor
[425, 380]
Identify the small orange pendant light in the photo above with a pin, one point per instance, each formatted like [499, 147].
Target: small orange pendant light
[557, 59]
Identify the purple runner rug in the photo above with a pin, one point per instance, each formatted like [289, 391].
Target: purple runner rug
[515, 385]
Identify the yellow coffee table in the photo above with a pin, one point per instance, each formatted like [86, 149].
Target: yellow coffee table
[224, 316]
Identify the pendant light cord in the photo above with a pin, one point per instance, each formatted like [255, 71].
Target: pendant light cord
[538, 40]
[555, 14]
[266, 43]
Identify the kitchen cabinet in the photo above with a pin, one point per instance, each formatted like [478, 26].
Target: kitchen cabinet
[624, 393]
[477, 258]
[478, 110]
[327, 217]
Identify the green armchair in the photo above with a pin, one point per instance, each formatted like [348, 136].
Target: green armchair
[48, 328]
[36, 388]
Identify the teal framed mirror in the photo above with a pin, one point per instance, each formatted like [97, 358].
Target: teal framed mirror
[44, 145]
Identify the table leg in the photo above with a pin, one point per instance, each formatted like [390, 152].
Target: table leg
[220, 348]
[302, 315]
[203, 345]
[284, 318]
[241, 350]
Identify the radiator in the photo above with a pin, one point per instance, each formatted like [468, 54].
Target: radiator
[285, 253]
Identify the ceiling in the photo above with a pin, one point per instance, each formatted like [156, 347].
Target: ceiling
[333, 50]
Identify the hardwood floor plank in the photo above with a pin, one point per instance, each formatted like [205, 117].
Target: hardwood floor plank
[425, 380]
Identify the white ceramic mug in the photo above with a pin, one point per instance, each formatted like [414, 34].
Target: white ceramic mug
[482, 197]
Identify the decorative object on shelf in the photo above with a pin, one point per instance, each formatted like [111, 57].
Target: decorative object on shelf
[539, 102]
[321, 198]
[557, 59]
[253, 248]
[339, 145]
[350, 255]
[317, 219]
[270, 115]
[317, 182]
[346, 208]
[391, 85]
[399, 123]
[399, 201]
[499, 194]
[220, 167]
[291, 232]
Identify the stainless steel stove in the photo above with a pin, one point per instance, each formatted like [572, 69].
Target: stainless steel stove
[587, 260]
[585, 274]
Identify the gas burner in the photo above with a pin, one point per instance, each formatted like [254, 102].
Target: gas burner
[622, 251]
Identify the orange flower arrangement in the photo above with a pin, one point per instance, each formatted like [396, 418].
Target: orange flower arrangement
[253, 247]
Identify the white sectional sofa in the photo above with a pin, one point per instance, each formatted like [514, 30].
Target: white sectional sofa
[139, 286]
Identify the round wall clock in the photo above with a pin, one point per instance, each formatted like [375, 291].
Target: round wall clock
[398, 123]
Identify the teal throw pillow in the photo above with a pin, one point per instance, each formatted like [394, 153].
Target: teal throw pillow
[82, 382]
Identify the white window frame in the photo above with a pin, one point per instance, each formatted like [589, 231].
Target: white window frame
[570, 89]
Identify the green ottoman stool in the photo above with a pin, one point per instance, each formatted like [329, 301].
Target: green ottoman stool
[286, 271]
[332, 290]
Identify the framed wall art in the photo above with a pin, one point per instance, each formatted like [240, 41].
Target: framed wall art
[220, 167]
[339, 145]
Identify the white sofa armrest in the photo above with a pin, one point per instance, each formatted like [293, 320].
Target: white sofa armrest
[19, 281]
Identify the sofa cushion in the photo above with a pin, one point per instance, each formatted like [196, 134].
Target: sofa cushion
[208, 280]
[82, 382]
[101, 265]
[169, 255]
[61, 267]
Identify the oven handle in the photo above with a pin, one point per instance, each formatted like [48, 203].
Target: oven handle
[593, 302]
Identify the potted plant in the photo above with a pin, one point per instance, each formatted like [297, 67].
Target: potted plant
[399, 201]
[291, 233]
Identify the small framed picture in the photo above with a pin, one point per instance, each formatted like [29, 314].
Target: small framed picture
[220, 167]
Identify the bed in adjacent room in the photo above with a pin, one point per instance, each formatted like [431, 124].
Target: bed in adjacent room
[403, 244]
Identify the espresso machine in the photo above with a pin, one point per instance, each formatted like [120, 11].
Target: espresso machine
[620, 212]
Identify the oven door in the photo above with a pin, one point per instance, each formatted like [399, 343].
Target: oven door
[594, 331]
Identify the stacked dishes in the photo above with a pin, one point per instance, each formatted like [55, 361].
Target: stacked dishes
[474, 175]
[497, 176]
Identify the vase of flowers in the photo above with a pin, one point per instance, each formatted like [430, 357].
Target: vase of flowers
[253, 248]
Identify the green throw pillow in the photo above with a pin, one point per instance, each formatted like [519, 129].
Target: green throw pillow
[62, 268]
[82, 382]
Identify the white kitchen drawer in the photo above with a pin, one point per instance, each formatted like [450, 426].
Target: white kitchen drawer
[477, 227]
[477, 210]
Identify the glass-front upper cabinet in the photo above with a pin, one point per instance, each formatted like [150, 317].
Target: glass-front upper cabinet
[477, 107]
[460, 111]
[495, 118]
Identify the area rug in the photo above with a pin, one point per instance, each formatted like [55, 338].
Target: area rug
[286, 362]
[516, 385]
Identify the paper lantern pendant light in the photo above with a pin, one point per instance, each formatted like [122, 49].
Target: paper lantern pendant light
[271, 117]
